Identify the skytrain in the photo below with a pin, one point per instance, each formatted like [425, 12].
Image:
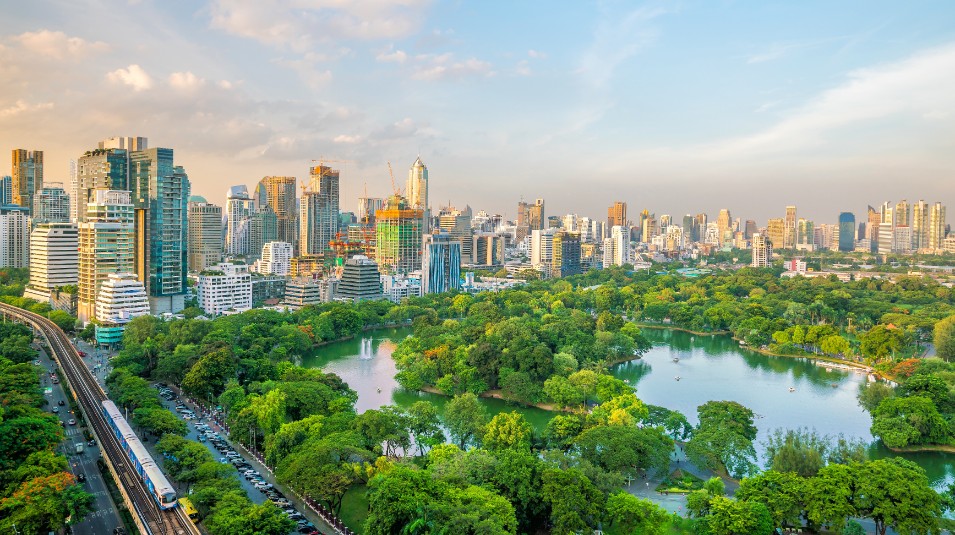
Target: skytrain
[156, 482]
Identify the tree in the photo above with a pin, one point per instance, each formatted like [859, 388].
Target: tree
[900, 422]
[871, 394]
[724, 438]
[574, 501]
[735, 517]
[800, 451]
[636, 515]
[895, 492]
[63, 320]
[159, 421]
[830, 496]
[626, 449]
[44, 504]
[944, 338]
[506, 431]
[562, 392]
[465, 418]
[780, 492]
[562, 429]
[425, 424]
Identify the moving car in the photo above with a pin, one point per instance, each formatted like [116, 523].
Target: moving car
[72, 421]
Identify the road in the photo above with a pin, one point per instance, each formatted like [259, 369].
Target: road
[104, 516]
[90, 396]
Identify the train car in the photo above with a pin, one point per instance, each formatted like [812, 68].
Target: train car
[189, 509]
[146, 467]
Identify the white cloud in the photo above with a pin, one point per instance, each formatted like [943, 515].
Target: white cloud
[133, 76]
[535, 54]
[21, 106]
[396, 56]
[186, 81]
[58, 45]
[346, 139]
[443, 66]
[523, 69]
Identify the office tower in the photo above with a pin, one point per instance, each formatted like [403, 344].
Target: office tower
[565, 259]
[534, 215]
[700, 222]
[920, 218]
[54, 260]
[226, 287]
[775, 232]
[129, 144]
[205, 234]
[648, 226]
[121, 298]
[936, 226]
[27, 176]
[278, 192]
[263, 228]
[398, 235]
[901, 214]
[750, 229]
[457, 223]
[542, 248]
[6, 190]
[617, 214]
[805, 239]
[873, 217]
[367, 206]
[160, 191]
[666, 220]
[102, 168]
[319, 211]
[239, 208]
[902, 240]
[790, 233]
[14, 236]
[361, 280]
[440, 264]
[51, 204]
[417, 190]
[276, 259]
[106, 245]
[886, 229]
[724, 225]
[847, 232]
[620, 238]
[689, 228]
[487, 249]
[762, 251]
[302, 292]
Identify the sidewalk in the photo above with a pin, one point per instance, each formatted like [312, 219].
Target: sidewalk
[645, 487]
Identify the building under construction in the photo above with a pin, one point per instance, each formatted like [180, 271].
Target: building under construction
[398, 235]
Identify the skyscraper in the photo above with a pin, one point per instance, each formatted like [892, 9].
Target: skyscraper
[790, 234]
[750, 229]
[319, 211]
[6, 190]
[457, 223]
[205, 234]
[27, 176]
[367, 206]
[936, 226]
[886, 228]
[51, 204]
[775, 231]
[278, 192]
[762, 251]
[263, 228]
[920, 220]
[872, 229]
[536, 218]
[617, 214]
[620, 238]
[565, 259]
[239, 208]
[160, 191]
[54, 260]
[106, 245]
[440, 263]
[902, 213]
[847, 231]
[805, 239]
[398, 235]
[724, 222]
[417, 190]
[102, 168]
[542, 249]
[14, 237]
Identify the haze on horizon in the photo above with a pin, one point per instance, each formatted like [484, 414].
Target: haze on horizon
[678, 107]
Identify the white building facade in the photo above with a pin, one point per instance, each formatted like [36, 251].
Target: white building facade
[226, 287]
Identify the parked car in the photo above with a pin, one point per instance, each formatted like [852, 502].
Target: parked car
[72, 421]
[60, 403]
[56, 409]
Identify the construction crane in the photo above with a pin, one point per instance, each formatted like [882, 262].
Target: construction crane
[321, 163]
[394, 186]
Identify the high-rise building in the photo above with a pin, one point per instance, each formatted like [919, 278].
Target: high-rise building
[302, 292]
[14, 237]
[790, 234]
[205, 234]
[239, 208]
[319, 211]
[278, 192]
[440, 264]
[689, 229]
[6, 190]
[620, 238]
[51, 204]
[724, 223]
[121, 298]
[128, 144]
[750, 229]
[805, 239]
[901, 214]
[102, 168]
[160, 191]
[762, 251]
[776, 232]
[276, 258]
[542, 249]
[936, 226]
[531, 216]
[106, 245]
[54, 259]
[847, 231]
[263, 228]
[873, 217]
[417, 191]
[225, 287]
[617, 214]
[886, 229]
[361, 280]
[457, 223]
[27, 176]
[700, 222]
[367, 206]
[920, 219]
[488, 249]
[398, 236]
[565, 260]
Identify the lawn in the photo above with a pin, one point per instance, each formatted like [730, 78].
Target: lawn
[355, 508]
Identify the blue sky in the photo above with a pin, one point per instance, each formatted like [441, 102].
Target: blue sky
[677, 107]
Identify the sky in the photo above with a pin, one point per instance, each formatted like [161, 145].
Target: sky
[676, 107]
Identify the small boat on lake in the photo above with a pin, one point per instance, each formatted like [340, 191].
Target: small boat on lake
[677, 377]
[676, 359]
[792, 389]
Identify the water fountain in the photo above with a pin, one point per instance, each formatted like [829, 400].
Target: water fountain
[365, 350]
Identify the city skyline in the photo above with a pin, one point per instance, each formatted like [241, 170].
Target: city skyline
[676, 108]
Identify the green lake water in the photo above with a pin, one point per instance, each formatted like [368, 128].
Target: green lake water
[709, 368]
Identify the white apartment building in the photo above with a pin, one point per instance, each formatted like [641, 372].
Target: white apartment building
[398, 287]
[225, 287]
[54, 260]
[620, 235]
[276, 259]
[762, 251]
[121, 298]
[14, 239]
[542, 247]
